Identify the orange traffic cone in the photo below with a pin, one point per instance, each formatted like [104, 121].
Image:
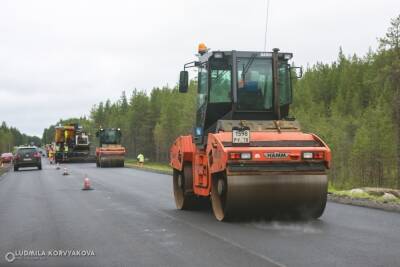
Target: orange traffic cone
[65, 171]
[86, 184]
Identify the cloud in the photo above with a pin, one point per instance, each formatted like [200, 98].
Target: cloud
[59, 58]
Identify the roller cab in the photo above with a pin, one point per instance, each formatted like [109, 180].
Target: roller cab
[246, 154]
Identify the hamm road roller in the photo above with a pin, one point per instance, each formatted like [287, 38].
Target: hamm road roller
[110, 153]
[246, 154]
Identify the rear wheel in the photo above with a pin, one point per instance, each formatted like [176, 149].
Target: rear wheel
[183, 188]
[15, 168]
[40, 167]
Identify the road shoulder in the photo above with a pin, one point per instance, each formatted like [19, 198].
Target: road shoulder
[393, 207]
[5, 169]
[148, 169]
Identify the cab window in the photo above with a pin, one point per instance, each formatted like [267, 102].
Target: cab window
[255, 87]
[285, 93]
[220, 91]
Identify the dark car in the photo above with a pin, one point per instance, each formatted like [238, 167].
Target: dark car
[6, 157]
[27, 157]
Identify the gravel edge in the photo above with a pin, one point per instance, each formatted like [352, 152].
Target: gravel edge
[5, 169]
[393, 207]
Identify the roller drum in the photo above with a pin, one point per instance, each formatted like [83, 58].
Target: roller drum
[111, 161]
[269, 196]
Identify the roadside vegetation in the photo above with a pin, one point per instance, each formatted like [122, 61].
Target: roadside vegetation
[380, 195]
[10, 137]
[154, 166]
[149, 122]
[352, 103]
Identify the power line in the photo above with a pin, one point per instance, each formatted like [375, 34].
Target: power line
[266, 27]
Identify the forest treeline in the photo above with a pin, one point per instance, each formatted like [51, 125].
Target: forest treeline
[352, 103]
[149, 122]
[10, 137]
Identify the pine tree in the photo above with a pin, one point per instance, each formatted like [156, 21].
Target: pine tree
[392, 42]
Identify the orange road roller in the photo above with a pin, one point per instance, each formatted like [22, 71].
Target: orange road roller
[246, 153]
[110, 152]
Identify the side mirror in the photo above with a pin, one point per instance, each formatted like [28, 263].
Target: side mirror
[298, 71]
[183, 81]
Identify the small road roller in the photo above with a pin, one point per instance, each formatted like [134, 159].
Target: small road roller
[246, 153]
[110, 152]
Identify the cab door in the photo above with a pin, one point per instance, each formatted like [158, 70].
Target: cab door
[202, 99]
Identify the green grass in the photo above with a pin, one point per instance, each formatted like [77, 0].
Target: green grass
[364, 195]
[157, 166]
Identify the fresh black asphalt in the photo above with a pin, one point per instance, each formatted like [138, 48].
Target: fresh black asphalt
[129, 219]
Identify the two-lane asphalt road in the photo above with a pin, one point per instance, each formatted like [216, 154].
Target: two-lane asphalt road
[129, 219]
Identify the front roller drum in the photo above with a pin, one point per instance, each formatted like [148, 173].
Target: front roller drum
[271, 196]
[110, 162]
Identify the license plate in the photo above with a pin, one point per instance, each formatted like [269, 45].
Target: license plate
[240, 136]
[27, 159]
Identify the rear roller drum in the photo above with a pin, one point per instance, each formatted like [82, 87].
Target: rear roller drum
[182, 181]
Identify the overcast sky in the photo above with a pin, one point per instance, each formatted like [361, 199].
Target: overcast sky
[59, 58]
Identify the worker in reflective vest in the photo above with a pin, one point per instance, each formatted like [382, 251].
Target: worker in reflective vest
[140, 159]
[51, 155]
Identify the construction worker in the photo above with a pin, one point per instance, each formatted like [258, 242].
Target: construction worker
[65, 136]
[51, 155]
[140, 159]
[65, 154]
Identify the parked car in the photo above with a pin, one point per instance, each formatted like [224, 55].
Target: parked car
[27, 157]
[6, 157]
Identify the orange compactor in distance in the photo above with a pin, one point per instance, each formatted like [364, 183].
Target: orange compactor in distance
[110, 152]
[246, 153]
